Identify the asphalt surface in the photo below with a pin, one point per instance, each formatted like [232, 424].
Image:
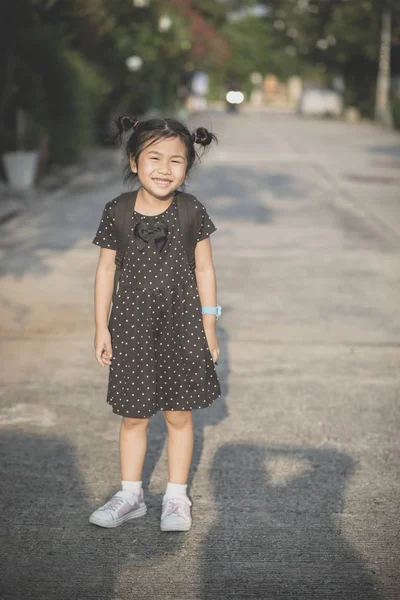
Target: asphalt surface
[295, 479]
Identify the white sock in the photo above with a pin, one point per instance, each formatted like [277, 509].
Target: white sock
[132, 486]
[176, 489]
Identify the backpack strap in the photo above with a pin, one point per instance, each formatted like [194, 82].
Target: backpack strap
[123, 219]
[189, 220]
[190, 225]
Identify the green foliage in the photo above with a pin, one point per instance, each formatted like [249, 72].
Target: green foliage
[342, 37]
[396, 112]
[32, 135]
[75, 102]
[250, 47]
[59, 90]
[70, 73]
[254, 48]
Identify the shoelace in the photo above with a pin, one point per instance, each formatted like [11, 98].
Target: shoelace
[175, 507]
[115, 502]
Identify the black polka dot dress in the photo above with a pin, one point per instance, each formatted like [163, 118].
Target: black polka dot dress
[161, 359]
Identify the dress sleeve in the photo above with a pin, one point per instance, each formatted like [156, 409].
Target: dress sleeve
[106, 235]
[207, 227]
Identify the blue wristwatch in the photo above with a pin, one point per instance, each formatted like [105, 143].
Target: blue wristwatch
[212, 310]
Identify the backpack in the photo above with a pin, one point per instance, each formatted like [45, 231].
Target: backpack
[189, 221]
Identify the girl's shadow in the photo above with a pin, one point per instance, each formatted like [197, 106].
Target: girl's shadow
[48, 550]
[278, 533]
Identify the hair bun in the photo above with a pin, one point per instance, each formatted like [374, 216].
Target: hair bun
[202, 136]
[125, 124]
[128, 123]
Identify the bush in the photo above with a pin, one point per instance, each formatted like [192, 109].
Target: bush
[75, 98]
[396, 112]
[61, 91]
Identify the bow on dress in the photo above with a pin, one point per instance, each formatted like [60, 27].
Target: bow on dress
[144, 233]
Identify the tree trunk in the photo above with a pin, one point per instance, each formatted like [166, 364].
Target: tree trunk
[382, 105]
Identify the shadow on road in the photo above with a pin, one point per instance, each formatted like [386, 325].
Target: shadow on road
[393, 151]
[278, 534]
[48, 549]
[241, 191]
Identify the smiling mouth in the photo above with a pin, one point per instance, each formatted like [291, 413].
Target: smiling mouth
[162, 181]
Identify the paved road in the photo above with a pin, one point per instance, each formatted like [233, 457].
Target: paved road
[295, 478]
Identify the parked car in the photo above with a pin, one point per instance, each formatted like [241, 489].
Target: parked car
[320, 102]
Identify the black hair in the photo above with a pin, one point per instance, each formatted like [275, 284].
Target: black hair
[153, 130]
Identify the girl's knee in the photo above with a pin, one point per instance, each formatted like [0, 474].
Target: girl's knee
[130, 423]
[178, 418]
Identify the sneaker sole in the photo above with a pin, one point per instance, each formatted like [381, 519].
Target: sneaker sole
[184, 527]
[140, 512]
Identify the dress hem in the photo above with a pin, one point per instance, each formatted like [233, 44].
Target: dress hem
[131, 416]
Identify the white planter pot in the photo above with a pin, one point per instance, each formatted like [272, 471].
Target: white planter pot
[21, 168]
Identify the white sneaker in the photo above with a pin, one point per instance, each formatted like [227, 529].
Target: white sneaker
[175, 514]
[123, 506]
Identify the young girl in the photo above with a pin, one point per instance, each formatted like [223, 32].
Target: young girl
[160, 340]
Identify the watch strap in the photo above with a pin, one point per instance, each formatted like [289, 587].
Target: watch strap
[212, 310]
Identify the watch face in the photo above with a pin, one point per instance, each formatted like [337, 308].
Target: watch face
[219, 310]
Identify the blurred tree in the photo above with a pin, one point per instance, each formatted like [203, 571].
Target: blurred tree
[209, 48]
[253, 48]
[42, 73]
[64, 61]
[340, 36]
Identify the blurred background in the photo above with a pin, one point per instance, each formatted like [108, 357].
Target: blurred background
[295, 477]
[67, 67]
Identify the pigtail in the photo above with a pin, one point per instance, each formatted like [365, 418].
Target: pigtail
[124, 124]
[203, 137]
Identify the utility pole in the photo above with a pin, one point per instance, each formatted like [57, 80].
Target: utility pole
[383, 113]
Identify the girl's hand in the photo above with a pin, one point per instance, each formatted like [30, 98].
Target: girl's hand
[212, 342]
[102, 347]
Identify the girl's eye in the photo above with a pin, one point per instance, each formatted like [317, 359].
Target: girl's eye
[177, 162]
[153, 158]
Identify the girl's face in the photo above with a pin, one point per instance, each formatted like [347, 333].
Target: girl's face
[161, 167]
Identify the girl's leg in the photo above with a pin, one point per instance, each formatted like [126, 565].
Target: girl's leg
[128, 503]
[175, 514]
[132, 445]
[180, 444]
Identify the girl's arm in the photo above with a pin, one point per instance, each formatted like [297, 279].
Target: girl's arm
[207, 286]
[103, 289]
